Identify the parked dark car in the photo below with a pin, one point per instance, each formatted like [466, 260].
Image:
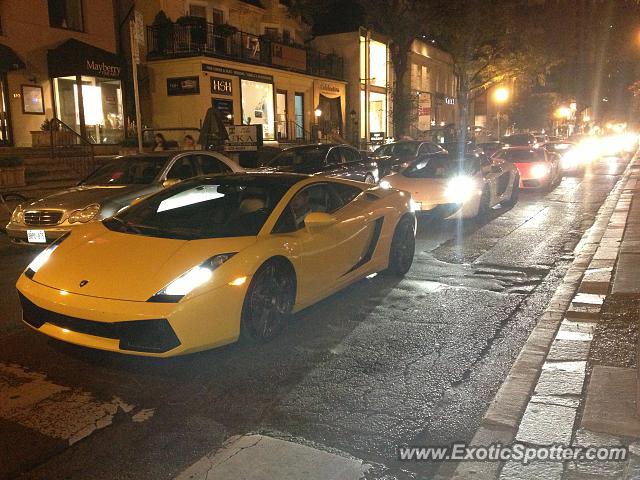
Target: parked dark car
[489, 148]
[333, 160]
[393, 156]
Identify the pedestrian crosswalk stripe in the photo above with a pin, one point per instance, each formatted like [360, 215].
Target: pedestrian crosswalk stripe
[70, 414]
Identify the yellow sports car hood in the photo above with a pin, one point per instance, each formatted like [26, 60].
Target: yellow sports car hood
[98, 262]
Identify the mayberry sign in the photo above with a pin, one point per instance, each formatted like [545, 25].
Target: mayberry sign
[74, 58]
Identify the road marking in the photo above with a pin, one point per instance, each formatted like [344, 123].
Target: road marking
[65, 413]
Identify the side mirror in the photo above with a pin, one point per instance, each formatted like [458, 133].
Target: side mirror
[319, 220]
[170, 182]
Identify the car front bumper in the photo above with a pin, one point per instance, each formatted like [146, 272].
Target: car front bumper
[153, 329]
[18, 233]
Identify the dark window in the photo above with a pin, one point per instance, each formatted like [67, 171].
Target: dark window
[182, 169]
[199, 11]
[218, 16]
[334, 157]
[66, 14]
[346, 192]
[350, 155]
[286, 36]
[127, 171]
[271, 33]
[210, 165]
[315, 198]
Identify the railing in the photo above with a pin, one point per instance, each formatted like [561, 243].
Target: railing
[202, 38]
[71, 148]
[289, 131]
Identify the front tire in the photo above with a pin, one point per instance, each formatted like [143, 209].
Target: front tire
[368, 178]
[268, 302]
[485, 202]
[403, 247]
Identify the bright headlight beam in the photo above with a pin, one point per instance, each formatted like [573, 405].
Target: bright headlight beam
[188, 281]
[539, 171]
[460, 189]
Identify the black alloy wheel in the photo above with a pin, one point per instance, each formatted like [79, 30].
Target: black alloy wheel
[403, 247]
[268, 302]
[368, 178]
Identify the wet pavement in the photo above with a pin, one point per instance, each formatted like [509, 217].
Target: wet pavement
[385, 362]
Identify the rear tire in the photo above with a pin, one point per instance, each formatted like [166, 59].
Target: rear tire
[403, 247]
[515, 194]
[268, 302]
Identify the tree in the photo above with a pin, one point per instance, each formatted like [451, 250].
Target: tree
[489, 42]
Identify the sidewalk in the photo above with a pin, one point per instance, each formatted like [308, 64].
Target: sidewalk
[574, 382]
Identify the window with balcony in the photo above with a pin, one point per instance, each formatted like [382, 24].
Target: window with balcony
[66, 14]
[218, 16]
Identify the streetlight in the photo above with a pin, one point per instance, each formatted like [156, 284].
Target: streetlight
[500, 95]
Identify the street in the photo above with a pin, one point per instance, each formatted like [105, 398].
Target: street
[383, 363]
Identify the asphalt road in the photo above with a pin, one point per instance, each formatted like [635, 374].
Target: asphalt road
[383, 363]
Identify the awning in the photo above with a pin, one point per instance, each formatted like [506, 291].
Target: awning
[9, 60]
[74, 57]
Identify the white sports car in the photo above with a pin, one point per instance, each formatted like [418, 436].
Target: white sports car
[450, 187]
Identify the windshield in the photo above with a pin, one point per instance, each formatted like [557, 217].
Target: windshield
[441, 167]
[398, 149]
[519, 139]
[215, 208]
[521, 156]
[298, 156]
[127, 171]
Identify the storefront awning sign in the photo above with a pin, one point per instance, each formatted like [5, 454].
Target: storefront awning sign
[74, 57]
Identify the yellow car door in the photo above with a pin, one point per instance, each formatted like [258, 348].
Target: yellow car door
[331, 249]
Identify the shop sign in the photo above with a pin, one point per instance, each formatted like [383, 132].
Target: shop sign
[244, 138]
[376, 138]
[449, 100]
[329, 89]
[258, 77]
[221, 86]
[225, 107]
[287, 56]
[183, 86]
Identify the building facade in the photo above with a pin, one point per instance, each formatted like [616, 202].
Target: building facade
[57, 59]
[369, 72]
[248, 59]
[433, 83]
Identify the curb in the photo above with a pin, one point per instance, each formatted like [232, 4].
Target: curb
[501, 421]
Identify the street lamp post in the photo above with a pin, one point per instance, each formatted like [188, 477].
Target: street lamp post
[501, 95]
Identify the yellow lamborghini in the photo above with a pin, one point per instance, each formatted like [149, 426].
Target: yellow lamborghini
[201, 263]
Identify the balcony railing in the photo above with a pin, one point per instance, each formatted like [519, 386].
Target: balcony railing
[201, 38]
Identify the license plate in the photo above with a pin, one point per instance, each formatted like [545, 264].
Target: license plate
[36, 236]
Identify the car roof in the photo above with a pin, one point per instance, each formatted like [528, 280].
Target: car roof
[317, 146]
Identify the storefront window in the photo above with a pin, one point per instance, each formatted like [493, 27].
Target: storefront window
[102, 107]
[363, 59]
[5, 134]
[377, 112]
[378, 63]
[257, 106]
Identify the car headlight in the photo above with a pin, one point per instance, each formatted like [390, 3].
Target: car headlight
[385, 184]
[539, 171]
[86, 214]
[18, 215]
[191, 279]
[460, 189]
[43, 257]
[569, 161]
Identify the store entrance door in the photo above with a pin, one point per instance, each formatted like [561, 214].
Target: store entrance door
[331, 118]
